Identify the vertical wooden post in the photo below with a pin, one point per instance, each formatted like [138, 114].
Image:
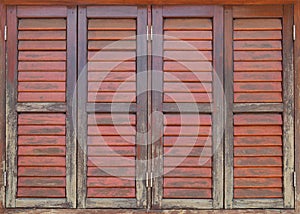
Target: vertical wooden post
[2, 101]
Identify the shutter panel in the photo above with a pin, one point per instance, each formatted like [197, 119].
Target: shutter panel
[41, 136]
[187, 148]
[260, 109]
[113, 103]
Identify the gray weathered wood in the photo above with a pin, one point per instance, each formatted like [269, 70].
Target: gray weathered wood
[71, 115]
[187, 107]
[41, 107]
[218, 108]
[11, 113]
[187, 204]
[42, 203]
[288, 109]
[228, 66]
[82, 114]
[157, 100]
[141, 113]
[257, 107]
[109, 203]
[258, 203]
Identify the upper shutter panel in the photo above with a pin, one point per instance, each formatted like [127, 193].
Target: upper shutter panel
[261, 109]
[185, 125]
[41, 139]
[112, 95]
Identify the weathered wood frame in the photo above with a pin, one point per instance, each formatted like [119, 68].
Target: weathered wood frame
[237, 108]
[287, 108]
[13, 108]
[140, 14]
[215, 109]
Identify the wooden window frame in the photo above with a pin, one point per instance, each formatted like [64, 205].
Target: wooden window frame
[3, 5]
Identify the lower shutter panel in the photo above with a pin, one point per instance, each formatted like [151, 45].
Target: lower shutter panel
[41, 146]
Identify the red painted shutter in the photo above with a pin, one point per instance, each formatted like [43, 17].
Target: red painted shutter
[113, 123]
[263, 109]
[41, 75]
[187, 173]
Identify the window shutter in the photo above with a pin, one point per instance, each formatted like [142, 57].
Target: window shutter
[259, 141]
[41, 141]
[187, 78]
[112, 103]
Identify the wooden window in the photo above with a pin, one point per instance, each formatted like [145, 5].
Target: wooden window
[41, 139]
[260, 159]
[204, 106]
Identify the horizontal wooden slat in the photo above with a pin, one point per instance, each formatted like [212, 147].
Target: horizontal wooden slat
[42, 24]
[42, 140]
[187, 119]
[188, 45]
[188, 35]
[257, 151]
[257, 130]
[258, 87]
[111, 66]
[188, 172]
[29, 192]
[257, 162]
[121, 45]
[111, 35]
[187, 193]
[108, 11]
[192, 183]
[257, 107]
[262, 192]
[188, 152]
[110, 182]
[258, 97]
[257, 24]
[111, 76]
[41, 107]
[257, 35]
[257, 76]
[41, 130]
[187, 24]
[42, 66]
[111, 130]
[187, 131]
[257, 172]
[41, 11]
[111, 171]
[187, 97]
[187, 87]
[257, 182]
[42, 56]
[41, 119]
[41, 97]
[187, 77]
[187, 161]
[110, 97]
[258, 141]
[111, 161]
[116, 56]
[187, 66]
[257, 66]
[112, 24]
[111, 192]
[258, 119]
[112, 86]
[192, 141]
[42, 35]
[111, 119]
[41, 171]
[41, 182]
[257, 56]
[257, 11]
[111, 107]
[41, 87]
[111, 140]
[42, 76]
[187, 108]
[42, 150]
[111, 151]
[257, 45]
[41, 45]
[41, 161]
